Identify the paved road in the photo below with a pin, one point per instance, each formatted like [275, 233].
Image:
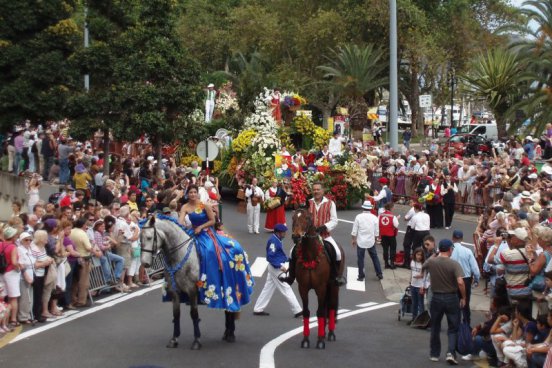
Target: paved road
[132, 331]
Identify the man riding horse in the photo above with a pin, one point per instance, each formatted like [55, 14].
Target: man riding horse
[324, 214]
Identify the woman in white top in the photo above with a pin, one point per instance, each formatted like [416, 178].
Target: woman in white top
[26, 264]
[33, 192]
[41, 296]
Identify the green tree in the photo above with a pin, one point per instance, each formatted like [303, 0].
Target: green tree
[495, 76]
[36, 41]
[354, 72]
[158, 82]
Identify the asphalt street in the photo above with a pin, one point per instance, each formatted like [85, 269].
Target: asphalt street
[132, 331]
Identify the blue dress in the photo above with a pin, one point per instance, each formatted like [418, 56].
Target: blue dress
[225, 280]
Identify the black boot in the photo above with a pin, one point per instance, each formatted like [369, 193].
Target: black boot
[291, 271]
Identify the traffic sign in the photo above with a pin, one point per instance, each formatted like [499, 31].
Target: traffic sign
[425, 101]
[207, 150]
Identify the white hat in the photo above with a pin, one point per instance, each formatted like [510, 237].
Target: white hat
[536, 140]
[367, 205]
[400, 161]
[533, 176]
[211, 85]
[547, 169]
[525, 194]
[529, 138]
[150, 158]
[25, 235]
[519, 233]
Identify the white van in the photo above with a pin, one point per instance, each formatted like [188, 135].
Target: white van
[489, 131]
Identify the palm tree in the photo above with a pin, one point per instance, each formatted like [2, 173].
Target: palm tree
[495, 76]
[534, 46]
[354, 72]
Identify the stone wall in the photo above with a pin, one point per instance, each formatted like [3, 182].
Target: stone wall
[12, 188]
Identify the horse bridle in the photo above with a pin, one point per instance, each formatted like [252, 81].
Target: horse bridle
[154, 251]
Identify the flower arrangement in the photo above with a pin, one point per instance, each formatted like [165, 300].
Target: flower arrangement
[300, 190]
[293, 100]
[243, 140]
[429, 198]
[226, 99]
[321, 137]
[187, 160]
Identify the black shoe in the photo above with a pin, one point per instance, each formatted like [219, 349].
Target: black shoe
[387, 266]
[340, 280]
[392, 267]
[360, 278]
[380, 277]
[261, 313]
[298, 314]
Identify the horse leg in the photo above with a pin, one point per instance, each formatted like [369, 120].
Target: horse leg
[321, 313]
[196, 345]
[230, 324]
[173, 343]
[305, 344]
[332, 311]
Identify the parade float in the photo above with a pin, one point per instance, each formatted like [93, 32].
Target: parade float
[279, 141]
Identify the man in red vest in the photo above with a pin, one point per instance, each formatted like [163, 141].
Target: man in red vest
[388, 229]
[324, 215]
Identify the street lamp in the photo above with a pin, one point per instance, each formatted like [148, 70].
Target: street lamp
[86, 42]
[453, 82]
[393, 76]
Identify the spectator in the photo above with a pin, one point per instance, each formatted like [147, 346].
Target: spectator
[82, 244]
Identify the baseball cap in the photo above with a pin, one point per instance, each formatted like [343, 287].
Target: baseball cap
[445, 245]
[280, 228]
[458, 234]
[519, 233]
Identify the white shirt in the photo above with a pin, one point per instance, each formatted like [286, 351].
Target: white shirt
[332, 224]
[420, 221]
[366, 229]
[409, 216]
[257, 191]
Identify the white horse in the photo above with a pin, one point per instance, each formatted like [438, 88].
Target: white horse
[181, 272]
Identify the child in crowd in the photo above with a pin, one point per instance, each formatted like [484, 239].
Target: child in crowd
[417, 282]
[4, 311]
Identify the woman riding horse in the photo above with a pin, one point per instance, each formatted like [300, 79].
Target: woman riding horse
[218, 274]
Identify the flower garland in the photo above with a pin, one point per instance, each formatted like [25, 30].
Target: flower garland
[309, 265]
[300, 190]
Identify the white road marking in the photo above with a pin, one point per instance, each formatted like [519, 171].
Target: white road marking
[35, 331]
[364, 305]
[402, 231]
[352, 283]
[266, 358]
[109, 298]
[259, 266]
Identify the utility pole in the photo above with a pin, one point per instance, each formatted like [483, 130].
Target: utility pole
[393, 76]
[452, 83]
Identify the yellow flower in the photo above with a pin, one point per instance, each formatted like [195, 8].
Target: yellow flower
[243, 140]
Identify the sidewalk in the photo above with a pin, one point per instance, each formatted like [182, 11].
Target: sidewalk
[395, 281]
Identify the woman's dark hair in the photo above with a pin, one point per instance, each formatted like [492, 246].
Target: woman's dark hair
[25, 218]
[193, 186]
[109, 222]
[418, 250]
[80, 222]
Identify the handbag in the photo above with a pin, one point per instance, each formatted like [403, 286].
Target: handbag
[241, 195]
[51, 276]
[465, 340]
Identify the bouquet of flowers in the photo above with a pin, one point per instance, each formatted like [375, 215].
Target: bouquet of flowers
[226, 99]
[322, 165]
[427, 198]
[292, 100]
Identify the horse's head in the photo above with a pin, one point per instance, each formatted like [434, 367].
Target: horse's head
[302, 224]
[149, 240]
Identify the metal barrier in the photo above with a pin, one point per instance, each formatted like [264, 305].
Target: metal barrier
[157, 266]
[459, 207]
[97, 279]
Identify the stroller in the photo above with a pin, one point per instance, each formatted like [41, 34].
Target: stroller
[405, 305]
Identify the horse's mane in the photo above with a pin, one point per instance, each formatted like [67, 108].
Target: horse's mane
[160, 216]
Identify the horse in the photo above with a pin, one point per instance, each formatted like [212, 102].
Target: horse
[182, 270]
[312, 271]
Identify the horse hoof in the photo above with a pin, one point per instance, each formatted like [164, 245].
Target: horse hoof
[196, 345]
[305, 344]
[331, 336]
[321, 345]
[172, 344]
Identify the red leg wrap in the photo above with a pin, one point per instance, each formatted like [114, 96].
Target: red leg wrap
[306, 328]
[321, 326]
[331, 322]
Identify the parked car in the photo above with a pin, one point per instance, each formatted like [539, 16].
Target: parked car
[489, 131]
[467, 145]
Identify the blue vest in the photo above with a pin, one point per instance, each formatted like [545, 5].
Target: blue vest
[387, 199]
[275, 254]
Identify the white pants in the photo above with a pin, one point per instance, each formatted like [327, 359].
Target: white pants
[253, 217]
[497, 343]
[209, 107]
[515, 353]
[272, 283]
[336, 247]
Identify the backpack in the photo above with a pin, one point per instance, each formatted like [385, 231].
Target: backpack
[3, 260]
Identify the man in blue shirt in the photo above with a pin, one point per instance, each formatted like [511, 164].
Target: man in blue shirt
[467, 261]
[529, 147]
[277, 263]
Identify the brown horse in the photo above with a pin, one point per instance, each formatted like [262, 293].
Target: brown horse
[312, 271]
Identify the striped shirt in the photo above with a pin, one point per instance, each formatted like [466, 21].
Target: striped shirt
[40, 255]
[516, 272]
